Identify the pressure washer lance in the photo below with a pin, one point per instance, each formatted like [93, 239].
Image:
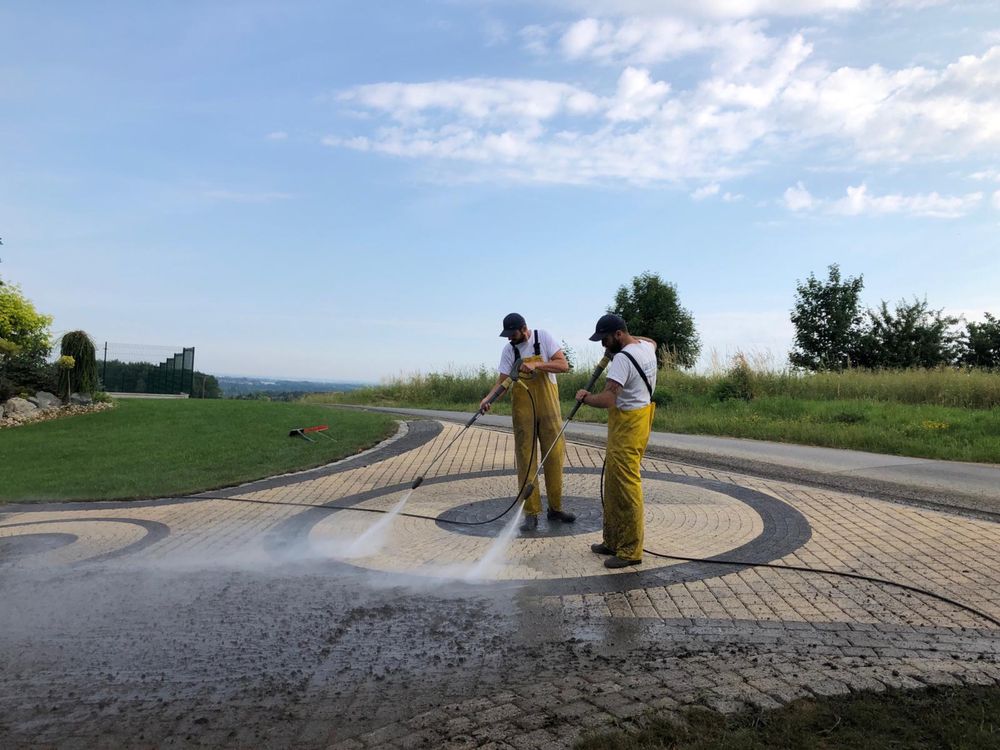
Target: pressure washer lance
[605, 361]
[506, 385]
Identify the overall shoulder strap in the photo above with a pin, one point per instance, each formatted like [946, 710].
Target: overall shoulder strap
[640, 371]
[538, 345]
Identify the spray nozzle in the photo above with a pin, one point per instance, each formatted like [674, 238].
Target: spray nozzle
[416, 483]
[528, 489]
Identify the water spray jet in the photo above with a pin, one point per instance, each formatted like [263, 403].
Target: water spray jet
[505, 386]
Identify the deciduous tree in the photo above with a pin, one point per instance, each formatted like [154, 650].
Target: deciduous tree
[651, 307]
[911, 335]
[827, 318]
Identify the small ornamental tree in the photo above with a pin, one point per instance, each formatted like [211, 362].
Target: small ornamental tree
[83, 375]
[66, 363]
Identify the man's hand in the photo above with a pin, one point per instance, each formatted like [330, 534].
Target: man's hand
[485, 405]
[529, 367]
[582, 394]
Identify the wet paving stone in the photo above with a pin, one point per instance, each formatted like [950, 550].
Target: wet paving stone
[237, 620]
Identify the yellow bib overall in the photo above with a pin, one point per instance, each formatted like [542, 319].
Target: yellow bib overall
[628, 434]
[548, 421]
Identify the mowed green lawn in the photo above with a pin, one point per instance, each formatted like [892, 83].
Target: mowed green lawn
[153, 448]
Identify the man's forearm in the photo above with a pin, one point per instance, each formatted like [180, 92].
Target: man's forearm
[496, 387]
[554, 366]
[602, 400]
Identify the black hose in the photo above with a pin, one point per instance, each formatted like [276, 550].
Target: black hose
[840, 573]
[527, 475]
[498, 391]
[818, 571]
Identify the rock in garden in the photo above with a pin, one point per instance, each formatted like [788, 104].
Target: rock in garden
[81, 399]
[46, 400]
[18, 406]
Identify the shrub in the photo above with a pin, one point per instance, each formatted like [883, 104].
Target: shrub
[738, 382]
[82, 377]
[662, 397]
[26, 373]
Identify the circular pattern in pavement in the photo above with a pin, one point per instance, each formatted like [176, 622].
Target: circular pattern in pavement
[486, 514]
[23, 545]
[80, 539]
[684, 516]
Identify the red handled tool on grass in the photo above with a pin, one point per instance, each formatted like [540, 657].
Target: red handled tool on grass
[319, 429]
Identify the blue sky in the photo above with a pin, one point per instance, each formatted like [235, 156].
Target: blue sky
[351, 191]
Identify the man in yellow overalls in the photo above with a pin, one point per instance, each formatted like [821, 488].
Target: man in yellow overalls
[535, 403]
[628, 397]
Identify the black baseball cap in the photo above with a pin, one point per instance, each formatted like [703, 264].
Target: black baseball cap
[512, 324]
[608, 324]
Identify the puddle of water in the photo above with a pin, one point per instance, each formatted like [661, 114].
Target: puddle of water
[497, 552]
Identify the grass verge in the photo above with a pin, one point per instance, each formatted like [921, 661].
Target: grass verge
[959, 717]
[152, 448]
[947, 415]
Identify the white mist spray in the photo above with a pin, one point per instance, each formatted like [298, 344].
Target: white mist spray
[374, 538]
[497, 551]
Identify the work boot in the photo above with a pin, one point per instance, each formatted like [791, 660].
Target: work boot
[620, 562]
[601, 549]
[530, 524]
[560, 515]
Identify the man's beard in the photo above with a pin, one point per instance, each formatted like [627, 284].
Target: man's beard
[615, 346]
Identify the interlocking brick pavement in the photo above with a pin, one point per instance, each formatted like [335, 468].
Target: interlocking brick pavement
[239, 619]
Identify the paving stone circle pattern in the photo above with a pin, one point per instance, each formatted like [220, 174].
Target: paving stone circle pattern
[245, 618]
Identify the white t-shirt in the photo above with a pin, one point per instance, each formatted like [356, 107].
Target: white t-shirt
[634, 394]
[549, 346]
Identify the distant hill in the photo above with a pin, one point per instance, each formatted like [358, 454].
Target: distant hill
[234, 386]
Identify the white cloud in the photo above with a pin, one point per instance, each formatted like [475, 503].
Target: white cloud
[638, 97]
[898, 116]
[580, 38]
[989, 175]
[753, 108]
[706, 191]
[535, 39]
[798, 198]
[736, 8]
[996, 199]
[648, 41]
[474, 98]
[860, 202]
[277, 135]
